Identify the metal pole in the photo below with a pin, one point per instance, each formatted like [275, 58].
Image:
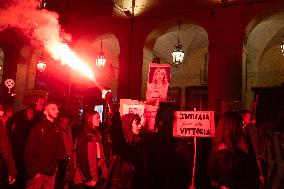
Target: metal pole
[194, 163]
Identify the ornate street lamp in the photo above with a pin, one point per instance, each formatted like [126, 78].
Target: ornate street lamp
[101, 60]
[177, 53]
[41, 65]
[42, 4]
[282, 47]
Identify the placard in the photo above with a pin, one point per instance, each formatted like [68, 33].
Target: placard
[194, 124]
[158, 82]
[146, 110]
[151, 112]
[129, 106]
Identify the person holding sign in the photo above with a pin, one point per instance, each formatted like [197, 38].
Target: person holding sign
[231, 165]
[158, 88]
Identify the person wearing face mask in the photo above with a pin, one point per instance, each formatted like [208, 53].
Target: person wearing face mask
[91, 166]
[7, 165]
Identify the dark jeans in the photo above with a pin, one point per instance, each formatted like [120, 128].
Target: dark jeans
[21, 178]
[3, 177]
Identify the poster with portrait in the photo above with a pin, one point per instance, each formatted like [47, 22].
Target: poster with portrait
[158, 81]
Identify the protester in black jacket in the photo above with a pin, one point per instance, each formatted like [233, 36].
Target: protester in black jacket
[7, 165]
[128, 167]
[23, 123]
[44, 148]
[130, 144]
[231, 165]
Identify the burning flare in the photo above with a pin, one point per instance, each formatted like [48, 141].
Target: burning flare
[42, 28]
[61, 51]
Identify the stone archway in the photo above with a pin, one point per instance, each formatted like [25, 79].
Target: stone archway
[263, 63]
[160, 42]
[88, 47]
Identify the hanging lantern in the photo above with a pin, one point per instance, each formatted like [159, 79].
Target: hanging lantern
[282, 47]
[42, 4]
[177, 53]
[41, 66]
[101, 60]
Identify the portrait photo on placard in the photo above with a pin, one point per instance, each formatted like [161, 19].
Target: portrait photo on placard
[158, 82]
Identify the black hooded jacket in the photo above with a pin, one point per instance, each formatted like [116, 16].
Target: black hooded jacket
[128, 168]
[44, 147]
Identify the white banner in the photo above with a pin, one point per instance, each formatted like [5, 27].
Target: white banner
[129, 106]
[194, 124]
[146, 110]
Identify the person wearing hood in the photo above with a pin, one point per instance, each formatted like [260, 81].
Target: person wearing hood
[90, 158]
[130, 142]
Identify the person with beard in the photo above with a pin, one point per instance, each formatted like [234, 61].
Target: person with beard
[92, 169]
[7, 165]
[21, 129]
[44, 148]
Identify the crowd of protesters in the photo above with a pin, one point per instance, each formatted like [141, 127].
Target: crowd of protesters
[42, 148]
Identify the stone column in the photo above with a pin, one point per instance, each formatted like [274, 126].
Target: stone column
[123, 76]
[224, 74]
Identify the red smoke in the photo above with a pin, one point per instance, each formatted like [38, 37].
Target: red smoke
[42, 28]
[38, 24]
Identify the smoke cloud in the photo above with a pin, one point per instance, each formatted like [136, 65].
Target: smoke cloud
[40, 26]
